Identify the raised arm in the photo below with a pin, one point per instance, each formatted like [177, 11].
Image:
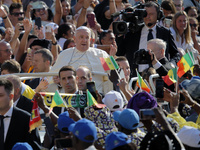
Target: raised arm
[58, 12]
[24, 40]
[82, 17]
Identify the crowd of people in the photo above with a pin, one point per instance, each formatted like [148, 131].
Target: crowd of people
[70, 39]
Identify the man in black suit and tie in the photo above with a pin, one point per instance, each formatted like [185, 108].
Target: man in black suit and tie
[150, 30]
[14, 122]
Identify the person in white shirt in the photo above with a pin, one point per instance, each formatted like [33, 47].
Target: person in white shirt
[85, 55]
[182, 33]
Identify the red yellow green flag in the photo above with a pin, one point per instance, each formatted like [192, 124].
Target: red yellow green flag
[35, 119]
[109, 63]
[141, 84]
[91, 101]
[184, 64]
[57, 101]
[171, 77]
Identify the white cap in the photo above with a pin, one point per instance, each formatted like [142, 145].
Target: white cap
[190, 136]
[113, 99]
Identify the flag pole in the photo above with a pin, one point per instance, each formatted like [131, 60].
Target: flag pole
[177, 80]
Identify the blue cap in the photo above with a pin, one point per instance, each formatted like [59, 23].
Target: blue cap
[64, 121]
[192, 86]
[128, 118]
[116, 139]
[83, 128]
[22, 146]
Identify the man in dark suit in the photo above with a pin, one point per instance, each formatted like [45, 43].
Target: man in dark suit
[156, 49]
[14, 122]
[19, 100]
[150, 30]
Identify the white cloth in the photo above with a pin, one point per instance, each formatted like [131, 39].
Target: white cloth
[7, 121]
[90, 58]
[185, 46]
[144, 34]
[61, 42]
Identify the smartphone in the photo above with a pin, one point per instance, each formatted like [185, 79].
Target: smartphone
[147, 114]
[69, 17]
[38, 22]
[167, 22]
[21, 27]
[92, 89]
[159, 88]
[63, 142]
[47, 28]
[91, 20]
[165, 107]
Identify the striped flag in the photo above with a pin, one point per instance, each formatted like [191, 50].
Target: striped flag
[171, 77]
[184, 64]
[109, 63]
[57, 101]
[91, 101]
[35, 119]
[141, 84]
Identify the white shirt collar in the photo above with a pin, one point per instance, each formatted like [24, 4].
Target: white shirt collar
[9, 112]
[147, 28]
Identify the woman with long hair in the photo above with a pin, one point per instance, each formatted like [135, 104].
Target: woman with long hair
[182, 32]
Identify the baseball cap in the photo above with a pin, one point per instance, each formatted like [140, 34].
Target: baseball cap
[83, 128]
[116, 139]
[113, 100]
[128, 118]
[22, 146]
[190, 136]
[192, 86]
[64, 121]
[38, 5]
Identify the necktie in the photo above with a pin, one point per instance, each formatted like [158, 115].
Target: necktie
[150, 35]
[2, 132]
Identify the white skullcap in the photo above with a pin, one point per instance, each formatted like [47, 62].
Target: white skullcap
[83, 28]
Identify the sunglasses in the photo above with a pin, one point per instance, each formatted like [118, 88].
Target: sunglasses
[193, 25]
[17, 14]
[38, 10]
[7, 50]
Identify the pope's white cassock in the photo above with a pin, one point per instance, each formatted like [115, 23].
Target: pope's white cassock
[89, 58]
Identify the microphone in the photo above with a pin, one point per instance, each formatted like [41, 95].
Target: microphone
[116, 14]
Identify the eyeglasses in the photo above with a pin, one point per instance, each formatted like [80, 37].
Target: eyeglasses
[17, 14]
[7, 50]
[38, 10]
[193, 25]
[178, 5]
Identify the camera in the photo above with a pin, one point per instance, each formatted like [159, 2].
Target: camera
[132, 19]
[142, 56]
